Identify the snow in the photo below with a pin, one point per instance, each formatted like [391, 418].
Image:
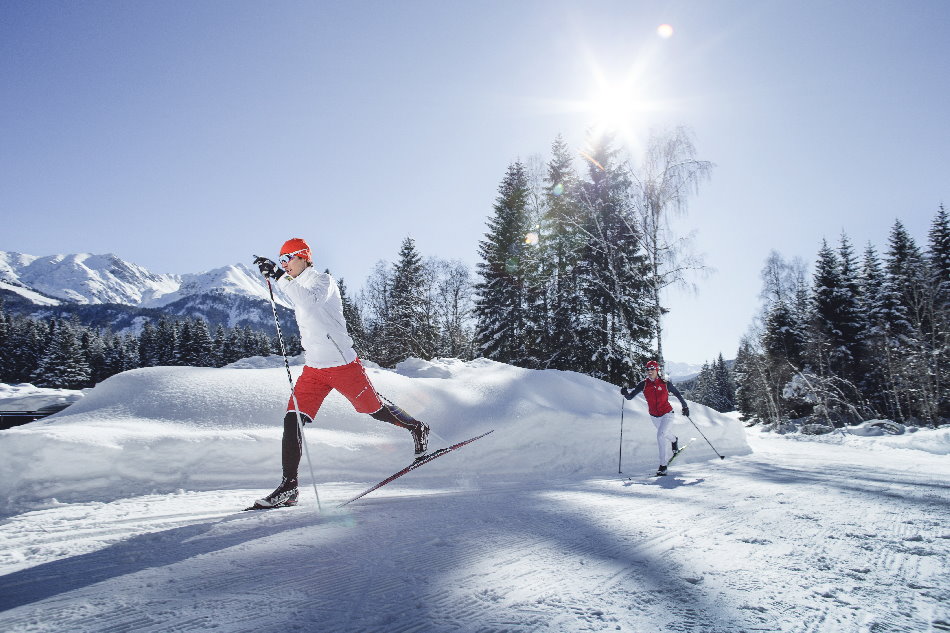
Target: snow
[25, 397]
[28, 294]
[91, 279]
[121, 514]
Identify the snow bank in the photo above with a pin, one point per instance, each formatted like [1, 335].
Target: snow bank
[160, 429]
[25, 397]
[881, 435]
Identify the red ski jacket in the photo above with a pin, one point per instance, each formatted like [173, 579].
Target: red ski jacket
[657, 392]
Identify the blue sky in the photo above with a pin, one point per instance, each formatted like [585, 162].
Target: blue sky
[186, 136]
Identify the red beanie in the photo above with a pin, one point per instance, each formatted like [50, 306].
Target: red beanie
[295, 244]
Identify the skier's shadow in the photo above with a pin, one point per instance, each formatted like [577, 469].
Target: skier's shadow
[665, 482]
[137, 553]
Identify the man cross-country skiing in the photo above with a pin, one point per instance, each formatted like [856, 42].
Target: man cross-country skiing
[657, 392]
[331, 362]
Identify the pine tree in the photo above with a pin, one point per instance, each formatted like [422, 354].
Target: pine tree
[6, 361]
[725, 386]
[562, 242]
[905, 315]
[63, 365]
[166, 341]
[221, 352]
[93, 348]
[201, 345]
[750, 387]
[408, 331]
[835, 347]
[353, 318]
[938, 257]
[500, 301]
[614, 275]
[878, 381]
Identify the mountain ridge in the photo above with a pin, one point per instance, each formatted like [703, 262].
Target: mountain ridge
[107, 291]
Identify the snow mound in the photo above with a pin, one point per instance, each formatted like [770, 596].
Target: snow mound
[161, 429]
[265, 362]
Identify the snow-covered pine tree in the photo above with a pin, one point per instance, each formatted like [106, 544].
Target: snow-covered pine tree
[201, 352]
[851, 323]
[725, 385]
[63, 365]
[938, 257]
[702, 390]
[220, 340]
[407, 330]
[618, 326]
[748, 381]
[93, 346]
[500, 294]
[562, 243]
[783, 348]
[353, 318]
[905, 314]
[166, 341]
[5, 356]
[833, 349]
[149, 354]
[882, 377]
[535, 271]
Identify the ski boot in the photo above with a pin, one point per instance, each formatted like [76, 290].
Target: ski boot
[420, 437]
[676, 446]
[661, 471]
[420, 430]
[286, 494]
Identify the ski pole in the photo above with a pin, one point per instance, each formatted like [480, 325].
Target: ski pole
[293, 395]
[620, 458]
[705, 438]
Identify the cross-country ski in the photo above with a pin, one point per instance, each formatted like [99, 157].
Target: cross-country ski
[419, 462]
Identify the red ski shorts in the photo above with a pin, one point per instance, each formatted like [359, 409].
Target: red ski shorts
[313, 386]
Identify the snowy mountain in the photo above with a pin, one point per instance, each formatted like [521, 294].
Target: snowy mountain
[85, 278]
[230, 295]
[122, 513]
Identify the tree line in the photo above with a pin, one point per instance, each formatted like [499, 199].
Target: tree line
[861, 339]
[570, 273]
[574, 261]
[63, 353]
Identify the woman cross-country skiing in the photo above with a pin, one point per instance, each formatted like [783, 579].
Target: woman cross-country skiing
[331, 362]
[657, 392]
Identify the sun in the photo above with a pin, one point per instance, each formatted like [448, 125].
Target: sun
[614, 106]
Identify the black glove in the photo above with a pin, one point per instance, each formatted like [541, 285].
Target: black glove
[268, 268]
[625, 392]
[685, 410]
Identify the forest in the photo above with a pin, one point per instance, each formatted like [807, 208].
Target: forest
[571, 275]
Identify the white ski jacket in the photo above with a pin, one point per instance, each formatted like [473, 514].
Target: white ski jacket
[319, 311]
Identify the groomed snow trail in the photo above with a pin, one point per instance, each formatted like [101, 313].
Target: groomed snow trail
[797, 537]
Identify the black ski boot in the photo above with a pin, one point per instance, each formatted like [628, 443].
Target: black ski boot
[286, 494]
[420, 436]
[661, 471]
[676, 446]
[420, 430]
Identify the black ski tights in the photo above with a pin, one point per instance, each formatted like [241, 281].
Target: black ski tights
[292, 445]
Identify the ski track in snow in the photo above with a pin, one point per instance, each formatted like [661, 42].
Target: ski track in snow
[797, 537]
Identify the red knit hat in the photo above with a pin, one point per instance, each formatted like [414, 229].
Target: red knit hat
[298, 247]
[653, 365]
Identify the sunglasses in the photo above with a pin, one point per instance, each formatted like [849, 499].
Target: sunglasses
[286, 257]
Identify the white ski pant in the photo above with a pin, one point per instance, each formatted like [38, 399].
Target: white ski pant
[664, 437]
